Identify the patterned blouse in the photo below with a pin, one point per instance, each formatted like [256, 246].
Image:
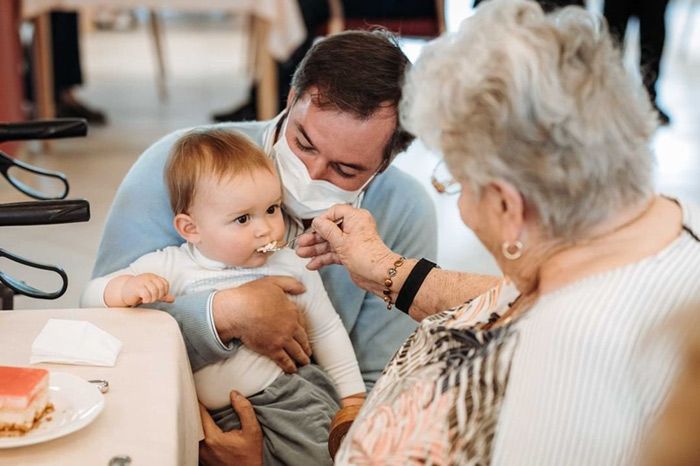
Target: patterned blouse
[439, 398]
[594, 364]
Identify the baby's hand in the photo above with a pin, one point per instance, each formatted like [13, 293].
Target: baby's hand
[146, 288]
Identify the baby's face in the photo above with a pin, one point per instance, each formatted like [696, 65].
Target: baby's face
[235, 216]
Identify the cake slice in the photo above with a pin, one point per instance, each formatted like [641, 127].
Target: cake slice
[24, 399]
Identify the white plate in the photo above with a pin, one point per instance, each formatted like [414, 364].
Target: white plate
[76, 404]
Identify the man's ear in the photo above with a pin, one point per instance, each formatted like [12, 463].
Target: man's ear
[290, 98]
[186, 227]
[510, 208]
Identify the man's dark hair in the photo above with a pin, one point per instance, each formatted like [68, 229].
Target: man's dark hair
[357, 72]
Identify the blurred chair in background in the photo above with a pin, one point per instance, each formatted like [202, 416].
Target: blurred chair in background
[51, 207]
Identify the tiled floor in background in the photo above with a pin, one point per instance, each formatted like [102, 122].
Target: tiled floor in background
[204, 58]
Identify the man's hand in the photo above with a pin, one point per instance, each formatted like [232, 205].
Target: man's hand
[242, 447]
[263, 317]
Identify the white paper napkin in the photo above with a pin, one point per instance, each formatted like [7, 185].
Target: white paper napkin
[75, 342]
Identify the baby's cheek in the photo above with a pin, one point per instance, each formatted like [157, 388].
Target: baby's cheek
[280, 229]
[241, 254]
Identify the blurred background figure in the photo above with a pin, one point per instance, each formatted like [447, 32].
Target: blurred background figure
[67, 69]
[316, 14]
[652, 35]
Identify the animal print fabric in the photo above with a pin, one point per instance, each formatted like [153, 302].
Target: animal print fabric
[438, 400]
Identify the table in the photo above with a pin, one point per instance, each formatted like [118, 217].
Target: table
[151, 411]
[277, 29]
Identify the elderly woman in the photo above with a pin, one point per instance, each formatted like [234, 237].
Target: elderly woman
[546, 138]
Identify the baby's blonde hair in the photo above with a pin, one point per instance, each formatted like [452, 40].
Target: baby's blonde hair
[209, 152]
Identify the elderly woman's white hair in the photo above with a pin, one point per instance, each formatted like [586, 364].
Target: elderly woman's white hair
[541, 101]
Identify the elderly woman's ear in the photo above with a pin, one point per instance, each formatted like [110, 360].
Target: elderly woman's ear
[501, 214]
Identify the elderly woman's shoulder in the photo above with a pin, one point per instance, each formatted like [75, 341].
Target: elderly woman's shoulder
[691, 216]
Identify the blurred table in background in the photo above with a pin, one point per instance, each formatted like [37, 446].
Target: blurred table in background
[277, 29]
[151, 412]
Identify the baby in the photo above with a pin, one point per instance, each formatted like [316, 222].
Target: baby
[226, 197]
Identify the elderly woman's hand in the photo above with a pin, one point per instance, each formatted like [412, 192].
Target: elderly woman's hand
[355, 244]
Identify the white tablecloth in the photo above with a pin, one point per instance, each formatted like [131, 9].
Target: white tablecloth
[151, 411]
[285, 34]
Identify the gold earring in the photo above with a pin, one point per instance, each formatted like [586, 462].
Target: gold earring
[512, 251]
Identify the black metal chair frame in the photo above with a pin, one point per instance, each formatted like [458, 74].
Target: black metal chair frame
[47, 209]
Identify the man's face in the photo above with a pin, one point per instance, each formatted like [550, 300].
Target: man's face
[336, 146]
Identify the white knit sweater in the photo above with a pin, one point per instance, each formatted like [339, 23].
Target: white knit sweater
[188, 271]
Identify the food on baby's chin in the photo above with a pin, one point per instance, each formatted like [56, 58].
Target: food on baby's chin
[24, 399]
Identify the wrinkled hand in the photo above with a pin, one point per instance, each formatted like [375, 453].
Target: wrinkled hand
[146, 288]
[356, 244]
[262, 316]
[242, 447]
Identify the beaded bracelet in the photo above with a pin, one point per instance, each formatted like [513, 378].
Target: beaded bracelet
[388, 282]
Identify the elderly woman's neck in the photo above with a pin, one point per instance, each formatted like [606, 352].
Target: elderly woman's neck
[628, 237]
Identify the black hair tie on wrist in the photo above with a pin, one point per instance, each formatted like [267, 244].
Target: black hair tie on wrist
[412, 284]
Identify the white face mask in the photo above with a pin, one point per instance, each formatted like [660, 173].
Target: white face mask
[303, 197]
